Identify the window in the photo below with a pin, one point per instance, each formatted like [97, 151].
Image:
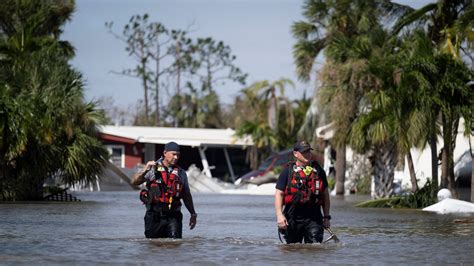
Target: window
[117, 155]
[149, 152]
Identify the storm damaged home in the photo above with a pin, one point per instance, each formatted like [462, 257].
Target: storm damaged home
[205, 153]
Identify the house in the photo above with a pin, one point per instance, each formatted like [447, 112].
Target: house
[421, 160]
[217, 152]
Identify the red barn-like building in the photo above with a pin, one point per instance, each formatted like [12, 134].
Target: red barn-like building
[217, 152]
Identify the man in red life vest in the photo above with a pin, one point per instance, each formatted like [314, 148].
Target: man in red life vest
[166, 184]
[303, 189]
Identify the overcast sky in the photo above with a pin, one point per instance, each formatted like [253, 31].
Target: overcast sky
[258, 32]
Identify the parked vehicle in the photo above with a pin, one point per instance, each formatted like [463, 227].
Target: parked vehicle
[279, 159]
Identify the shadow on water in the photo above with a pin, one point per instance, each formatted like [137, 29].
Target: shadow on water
[165, 243]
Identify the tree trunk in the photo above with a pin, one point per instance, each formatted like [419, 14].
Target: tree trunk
[447, 167]
[411, 168]
[472, 170]
[444, 167]
[178, 70]
[472, 178]
[178, 76]
[340, 169]
[434, 156]
[385, 160]
[145, 91]
[157, 86]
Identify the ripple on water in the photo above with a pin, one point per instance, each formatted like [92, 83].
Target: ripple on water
[231, 230]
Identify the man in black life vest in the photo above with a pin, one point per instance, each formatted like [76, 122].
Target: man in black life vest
[166, 184]
[302, 189]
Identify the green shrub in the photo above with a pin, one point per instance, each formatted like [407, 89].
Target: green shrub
[331, 183]
[362, 185]
[422, 198]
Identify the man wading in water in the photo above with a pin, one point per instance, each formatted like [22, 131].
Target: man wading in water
[166, 184]
[303, 189]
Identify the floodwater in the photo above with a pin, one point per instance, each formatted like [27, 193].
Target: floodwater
[107, 228]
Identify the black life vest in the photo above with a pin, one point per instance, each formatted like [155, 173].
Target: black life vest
[304, 185]
[165, 189]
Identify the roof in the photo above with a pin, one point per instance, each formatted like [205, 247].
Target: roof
[183, 136]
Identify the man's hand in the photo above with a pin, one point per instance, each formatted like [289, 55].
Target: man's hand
[282, 222]
[326, 223]
[149, 165]
[192, 221]
[139, 177]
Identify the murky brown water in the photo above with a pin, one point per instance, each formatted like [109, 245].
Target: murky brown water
[107, 227]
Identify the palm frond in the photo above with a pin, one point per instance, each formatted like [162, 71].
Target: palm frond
[303, 30]
[412, 17]
[304, 54]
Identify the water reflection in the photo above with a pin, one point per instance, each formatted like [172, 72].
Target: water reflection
[166, 243]
[311, 248]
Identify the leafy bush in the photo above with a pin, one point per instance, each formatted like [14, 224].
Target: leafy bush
[420, 199]
[331, 183]
[362, 185]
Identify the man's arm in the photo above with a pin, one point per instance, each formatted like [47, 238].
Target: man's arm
[188, 201]
[281, 219]
[139, 177]
[326, 207]
[279, 198]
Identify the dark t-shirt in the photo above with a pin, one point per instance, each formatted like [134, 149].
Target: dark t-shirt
[283, 178]
[304, 210]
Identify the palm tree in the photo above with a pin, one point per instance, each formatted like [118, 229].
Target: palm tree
[449, 24]
[415, 61]
[391, 124]
[267, 116]
[268, 93]
[46, 129]
[341, 28]
[254, 123]
[37, 31]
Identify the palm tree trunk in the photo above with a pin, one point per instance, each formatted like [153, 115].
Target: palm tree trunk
[472, 171]
[340, 169]
[384, 170]
[447, 168]
[411, 168]
[434, 156]
[444, 168]
[472, 178]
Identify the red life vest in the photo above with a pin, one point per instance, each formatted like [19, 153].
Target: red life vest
[304, 185]
[166, 188]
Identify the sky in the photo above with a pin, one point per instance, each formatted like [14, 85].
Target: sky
[258, 32]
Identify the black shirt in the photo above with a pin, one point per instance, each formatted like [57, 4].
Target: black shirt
[283, 178]
[302, 210]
